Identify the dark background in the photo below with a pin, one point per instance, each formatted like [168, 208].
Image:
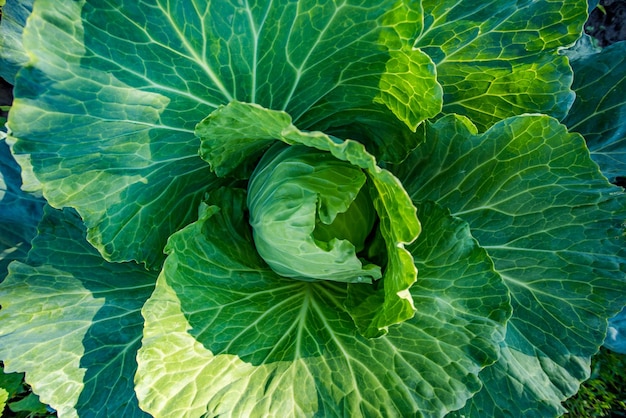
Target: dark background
[609, 25]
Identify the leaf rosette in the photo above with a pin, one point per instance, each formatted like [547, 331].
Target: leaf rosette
[314, 201]
[362, 247]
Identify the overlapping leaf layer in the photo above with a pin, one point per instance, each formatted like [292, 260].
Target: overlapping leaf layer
[500, 241]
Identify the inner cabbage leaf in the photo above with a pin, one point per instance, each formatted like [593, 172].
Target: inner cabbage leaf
[296, 192]
[105, 123]
[252, 124]
[239, 340]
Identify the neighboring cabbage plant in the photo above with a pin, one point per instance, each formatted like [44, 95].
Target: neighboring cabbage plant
[308, 208]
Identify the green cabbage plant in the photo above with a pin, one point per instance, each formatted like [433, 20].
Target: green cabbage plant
[296, 208]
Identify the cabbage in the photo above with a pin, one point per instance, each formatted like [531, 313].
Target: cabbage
[294, 198]
[308, 207]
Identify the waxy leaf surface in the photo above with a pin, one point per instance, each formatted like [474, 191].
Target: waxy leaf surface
[72, 322]
[498, 58]
[255, 127]
[106, 107]
[553, 226]
[226, 336]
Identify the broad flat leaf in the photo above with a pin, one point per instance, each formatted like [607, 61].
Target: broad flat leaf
[599, 112]
[101, 144]
[553, 226]
[225, 336]
[107, 120]
[20, 213]
[498, 58]
[254, 126]
[12, 54]
[72, 322]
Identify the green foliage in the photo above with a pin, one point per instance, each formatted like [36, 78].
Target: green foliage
[307, 208]
[17, 399]
[603, 395]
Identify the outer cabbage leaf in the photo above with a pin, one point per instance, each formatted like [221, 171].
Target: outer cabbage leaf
[553, 226]
[13, 56]
[72, 322]
[107, 120]
[498, 58]
[616, 336]
[599, 112]
[225, 336]
[19, 213]
[251, 124]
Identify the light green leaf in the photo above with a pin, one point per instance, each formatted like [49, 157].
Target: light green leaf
[599, 112]
[237, 122]
[553, 226]
[498, 58]
[295, 191]
[103, 146]
[225, 336]
[4, 396]
[72, 322]
[106, 121]
[407, 87]
[12, 53]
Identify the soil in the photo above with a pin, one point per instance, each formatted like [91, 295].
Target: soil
[608, 23]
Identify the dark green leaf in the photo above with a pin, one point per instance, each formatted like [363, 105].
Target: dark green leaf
[20, 212]
[72, 322]
[107, 121]
[498, 58]
[29, 404]
[553, 226]
[599, 112]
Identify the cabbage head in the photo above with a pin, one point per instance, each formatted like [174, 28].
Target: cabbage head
[311, 214]
[308, 208]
